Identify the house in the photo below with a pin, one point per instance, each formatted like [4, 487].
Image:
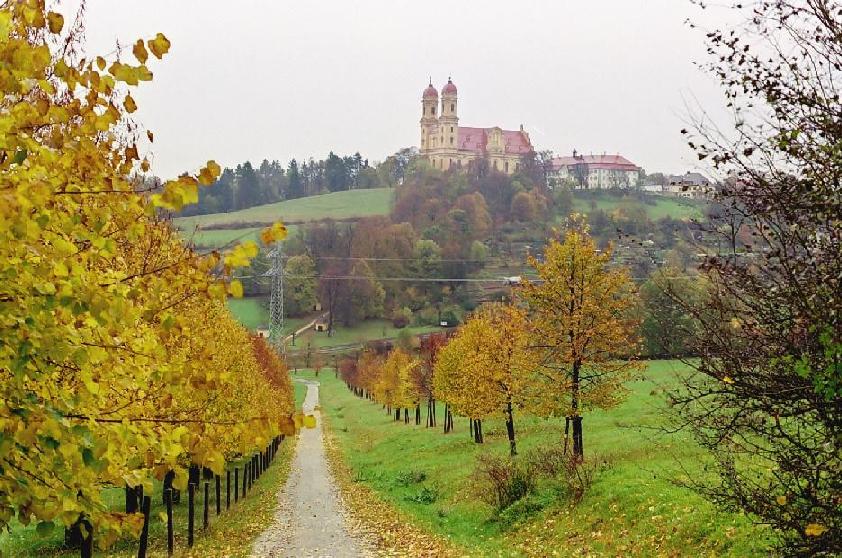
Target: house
[594, 172]
[688, 185]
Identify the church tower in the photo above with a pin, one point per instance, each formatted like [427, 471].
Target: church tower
[449, 121]
[429, 120]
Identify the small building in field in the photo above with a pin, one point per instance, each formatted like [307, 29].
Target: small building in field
[320, 325]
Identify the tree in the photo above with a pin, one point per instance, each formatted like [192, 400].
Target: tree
[486, 367]
[364, 295]
[119, 361]
[766, 401]
[580, 318]
[667, 329]
[248, 187]
[296, 185]
[300, 285]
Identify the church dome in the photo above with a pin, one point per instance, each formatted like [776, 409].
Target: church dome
[430, 92]
[449, 88]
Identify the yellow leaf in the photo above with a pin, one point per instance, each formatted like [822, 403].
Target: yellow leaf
[55, 21]
[139, 51]
[736, 323]
[781, 500]
[309, 421]
[275, 233]
[236, 289]
[287, 426]
[129, 104]
[150, 135]
[100, 63]
[728, 380]
[209, 174]
[814, 530]
[159, 46]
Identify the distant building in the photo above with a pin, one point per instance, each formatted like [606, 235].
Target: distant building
[447, 145]
[595, 172]
[688, 185]
[653, 188]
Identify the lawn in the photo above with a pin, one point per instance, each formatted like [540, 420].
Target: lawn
[663, 206]
[252, 312]
[360, 333]
[633, 508]
[336, 205]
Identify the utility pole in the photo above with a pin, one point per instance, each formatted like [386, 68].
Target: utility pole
[276, 302]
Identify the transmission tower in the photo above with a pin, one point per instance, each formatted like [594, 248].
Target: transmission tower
[276, 302]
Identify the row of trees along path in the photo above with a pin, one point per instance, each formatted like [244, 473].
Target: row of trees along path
[564, 345]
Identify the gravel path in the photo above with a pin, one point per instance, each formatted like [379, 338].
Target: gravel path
[310, 522]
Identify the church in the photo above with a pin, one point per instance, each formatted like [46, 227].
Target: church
[448, 145]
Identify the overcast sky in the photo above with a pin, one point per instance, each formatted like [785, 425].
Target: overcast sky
[276, 79]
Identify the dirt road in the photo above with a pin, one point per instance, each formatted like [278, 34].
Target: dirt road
[310, 522]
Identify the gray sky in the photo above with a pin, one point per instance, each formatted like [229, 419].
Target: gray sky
[256, 79]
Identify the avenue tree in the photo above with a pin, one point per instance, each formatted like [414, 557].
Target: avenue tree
[580, 314]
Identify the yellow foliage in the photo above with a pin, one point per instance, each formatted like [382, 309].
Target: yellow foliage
[119, 360]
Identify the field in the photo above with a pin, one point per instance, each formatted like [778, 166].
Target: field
[663, 206]
[336, 205]
[633, 508]
[364, 331]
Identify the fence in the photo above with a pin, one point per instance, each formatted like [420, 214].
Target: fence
[81, 534]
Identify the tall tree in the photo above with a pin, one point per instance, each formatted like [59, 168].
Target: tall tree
[248, 187]
[580, 312]
[767, 399]
[301, 284]
[295, 188]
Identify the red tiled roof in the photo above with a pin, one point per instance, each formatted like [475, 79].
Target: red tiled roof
[476, 140]
[430, 92]
[449, 88]
[611, 162]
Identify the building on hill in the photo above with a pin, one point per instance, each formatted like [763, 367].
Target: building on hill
[688, 185]
[595, 172]
[447, 145]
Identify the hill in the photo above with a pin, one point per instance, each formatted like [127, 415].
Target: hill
[336, 205]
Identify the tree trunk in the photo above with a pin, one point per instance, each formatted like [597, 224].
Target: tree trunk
[477, 425]
[417, 414]
[471, 429]
[510, 427]
[397, 414]
[578, 449]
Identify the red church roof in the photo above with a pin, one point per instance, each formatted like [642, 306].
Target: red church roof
[449, 88]
[476, 140]
[609, 162]
[430, 92]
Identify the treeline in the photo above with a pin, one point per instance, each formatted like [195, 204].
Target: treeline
[246, 186]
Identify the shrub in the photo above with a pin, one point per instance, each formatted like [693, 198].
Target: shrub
[426, 495]
[500, 481]
[406, 478]
[401, 317]
[551, 462]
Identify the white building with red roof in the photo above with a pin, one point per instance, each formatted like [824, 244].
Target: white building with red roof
[594, 172]
[448, 145]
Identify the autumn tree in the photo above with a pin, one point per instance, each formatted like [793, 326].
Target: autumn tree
[766, 398]
[485, 369]
[580, 308]
[300, 285]
[119, 361]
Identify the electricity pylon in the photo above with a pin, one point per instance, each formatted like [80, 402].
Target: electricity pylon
[276, 302]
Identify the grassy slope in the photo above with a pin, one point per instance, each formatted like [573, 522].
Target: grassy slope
[663, 206]
[337, 205]
[633, 508]
[364, 331]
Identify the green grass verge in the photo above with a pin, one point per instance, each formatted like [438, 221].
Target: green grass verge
[336, 205]
[360, 333]
[633, 508]
[662, 206]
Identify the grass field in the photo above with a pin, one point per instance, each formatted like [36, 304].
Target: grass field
[364, 331]
[633, 508]
[336, 205]
[676, 208]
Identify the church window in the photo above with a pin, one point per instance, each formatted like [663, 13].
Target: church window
[451, 140]
[495, 164]
[452, 107]
[451, 129]
[507, 166]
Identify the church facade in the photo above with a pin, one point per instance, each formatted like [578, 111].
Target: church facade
[448, 145]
